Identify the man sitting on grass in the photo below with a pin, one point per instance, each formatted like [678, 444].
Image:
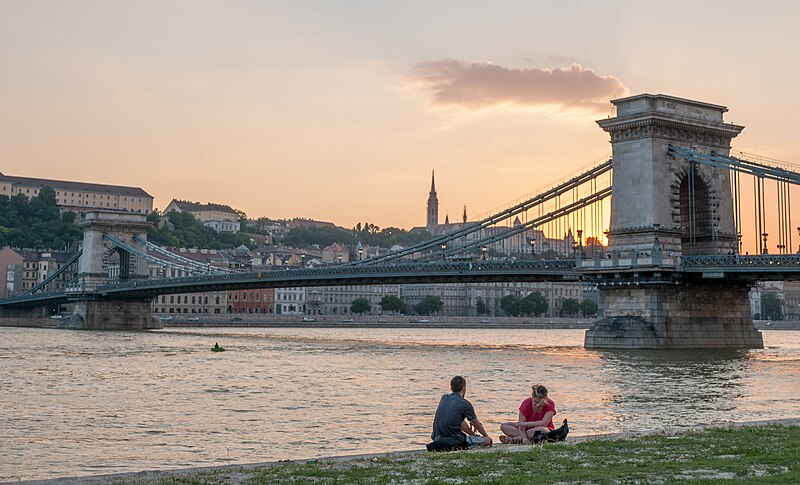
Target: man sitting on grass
[450, 431]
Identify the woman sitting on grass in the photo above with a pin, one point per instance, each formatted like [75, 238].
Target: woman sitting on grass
[535, 414]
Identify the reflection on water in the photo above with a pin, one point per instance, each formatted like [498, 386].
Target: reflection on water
[683, 387]
[78, 403]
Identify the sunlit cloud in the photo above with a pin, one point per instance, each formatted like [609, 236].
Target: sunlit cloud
[478, 85]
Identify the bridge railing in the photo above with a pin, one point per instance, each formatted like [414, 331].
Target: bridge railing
[736, 260]
[443, 267]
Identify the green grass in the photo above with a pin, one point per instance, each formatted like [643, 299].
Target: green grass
[757, 454]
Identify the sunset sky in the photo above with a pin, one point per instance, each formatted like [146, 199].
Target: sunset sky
[339, 111]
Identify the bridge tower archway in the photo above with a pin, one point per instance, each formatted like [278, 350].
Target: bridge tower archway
[697, 217]
[102, 261]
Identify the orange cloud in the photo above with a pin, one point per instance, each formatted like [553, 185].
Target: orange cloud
[477, 85]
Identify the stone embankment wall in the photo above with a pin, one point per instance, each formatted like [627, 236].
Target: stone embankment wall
[28, 322]
[260, 320]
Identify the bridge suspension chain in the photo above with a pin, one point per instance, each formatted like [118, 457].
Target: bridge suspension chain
[186, 261]
[149, 257]
[551, 195]
[557, 215]
[64, 267]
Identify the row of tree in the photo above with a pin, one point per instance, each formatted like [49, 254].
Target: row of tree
[534, 304]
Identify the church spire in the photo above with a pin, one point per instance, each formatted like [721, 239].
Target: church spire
[433, 207]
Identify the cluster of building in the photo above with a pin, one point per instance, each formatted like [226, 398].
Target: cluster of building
[24, 269]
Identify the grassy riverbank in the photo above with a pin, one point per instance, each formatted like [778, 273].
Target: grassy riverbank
[751, 454]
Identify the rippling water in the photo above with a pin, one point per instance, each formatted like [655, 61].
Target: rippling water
[82, 403]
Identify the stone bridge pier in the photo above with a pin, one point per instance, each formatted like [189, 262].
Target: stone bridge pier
[667, 205]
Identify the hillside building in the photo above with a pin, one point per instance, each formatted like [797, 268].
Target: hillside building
[80, 197]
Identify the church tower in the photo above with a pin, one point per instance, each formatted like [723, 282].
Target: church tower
[433, 207]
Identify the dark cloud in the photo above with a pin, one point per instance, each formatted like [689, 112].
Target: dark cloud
[477, 85]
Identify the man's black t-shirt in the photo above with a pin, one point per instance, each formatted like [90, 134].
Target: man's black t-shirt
[452, 410]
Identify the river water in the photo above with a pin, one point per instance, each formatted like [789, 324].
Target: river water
[81, 403]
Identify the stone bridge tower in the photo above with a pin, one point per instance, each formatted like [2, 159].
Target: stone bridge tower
[102, 262]
[664, 207]
[688, 207]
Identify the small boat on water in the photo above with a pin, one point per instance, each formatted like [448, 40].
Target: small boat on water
[217, 348]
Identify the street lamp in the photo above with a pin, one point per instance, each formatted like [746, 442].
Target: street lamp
[303, 260]
[340, 259]
[533, 246]
[580, 241]
[798, 245]
[360, 252]
[739, 239]
[781, 247]
[764, 249]
[443, 246]
[485, 249]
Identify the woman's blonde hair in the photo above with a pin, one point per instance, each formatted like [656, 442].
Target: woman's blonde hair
[539, 396]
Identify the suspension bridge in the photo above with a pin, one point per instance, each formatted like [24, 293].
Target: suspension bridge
[687, 237]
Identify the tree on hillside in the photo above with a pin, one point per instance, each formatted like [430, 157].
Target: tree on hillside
[392, 303]
[303, 237]
[360, 305]
[36, 222]
[184, 230]
[429, 305]
[371, 235]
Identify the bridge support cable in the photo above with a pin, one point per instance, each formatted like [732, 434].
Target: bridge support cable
[67, 264]
[692, 212]
[736, 190]
[784, 218]
[714, 208]
[785, 175]
[760, 215]
[789, 217]
[551, 194]
[185, 261]
[562, 212]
